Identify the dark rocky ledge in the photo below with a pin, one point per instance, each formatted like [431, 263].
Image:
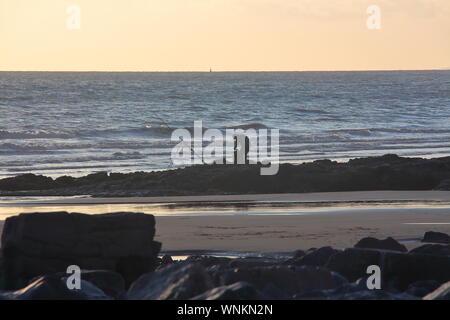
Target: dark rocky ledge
[389, 172]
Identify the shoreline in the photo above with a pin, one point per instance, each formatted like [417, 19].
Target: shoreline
[339, 196]
[240, 205]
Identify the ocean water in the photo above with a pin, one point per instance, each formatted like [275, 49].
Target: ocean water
[79, 123]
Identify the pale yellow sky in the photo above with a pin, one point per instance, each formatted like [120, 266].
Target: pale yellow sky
[227, 35]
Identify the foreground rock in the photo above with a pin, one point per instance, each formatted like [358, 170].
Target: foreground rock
[110, 282]
[404, 277]
[37, 248]
[436, 237]
[180, 281]
[386, 244]
[46, 243]
[54, 288]
[190, 280]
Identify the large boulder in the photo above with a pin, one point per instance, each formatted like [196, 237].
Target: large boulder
[386, 244]
[36, 244]
[436, 237]
[180, 281]
[353, 263]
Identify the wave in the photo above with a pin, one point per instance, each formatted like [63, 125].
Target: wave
[255, 125]
[58, 134]
[117, 156]
[394, 130]
[354, 132]
[162, 131]
[34, 134]
[370, 131]
[16, 98]
[157, 130]
[11, 147]
[246, 126]
[60, 150]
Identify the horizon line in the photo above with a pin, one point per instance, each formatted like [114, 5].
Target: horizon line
[226, 71]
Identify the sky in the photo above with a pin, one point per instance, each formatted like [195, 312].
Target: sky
[225, 35]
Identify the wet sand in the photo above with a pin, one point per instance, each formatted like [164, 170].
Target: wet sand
[287, 233]
[291, 232]
[281, 232]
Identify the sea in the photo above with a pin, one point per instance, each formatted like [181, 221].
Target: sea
[68, 123]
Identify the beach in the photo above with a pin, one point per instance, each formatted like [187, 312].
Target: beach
[272, 222]
[289, 233]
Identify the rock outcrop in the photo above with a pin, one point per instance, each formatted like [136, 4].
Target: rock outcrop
[388, 172]
[38, 244]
